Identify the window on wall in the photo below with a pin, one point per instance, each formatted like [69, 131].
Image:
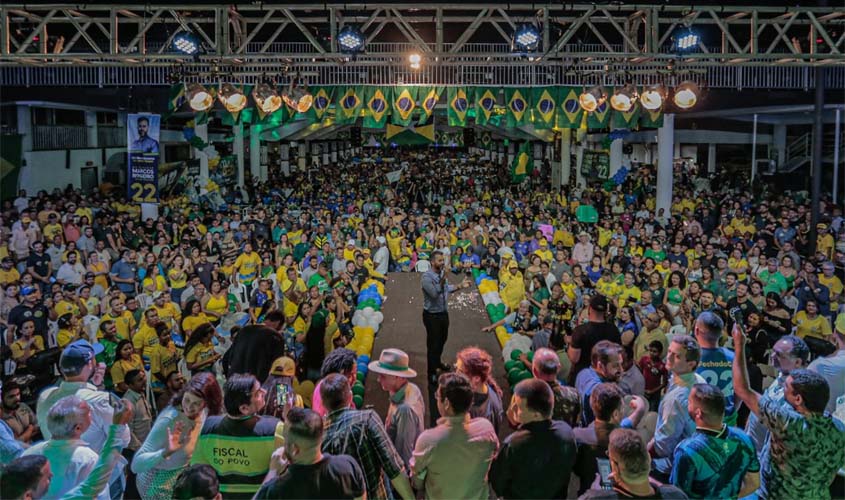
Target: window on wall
[107, 118]
[48, 116]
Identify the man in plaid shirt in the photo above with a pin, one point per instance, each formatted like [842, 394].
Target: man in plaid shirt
[361, 435]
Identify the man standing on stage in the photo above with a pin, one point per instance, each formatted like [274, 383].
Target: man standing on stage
[436, 290]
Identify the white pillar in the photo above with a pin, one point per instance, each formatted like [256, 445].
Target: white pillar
[238, 147]
[665, 149]
[779, 140]
[615, 156]
[511, 152]
[302, 162]
[284, 158]
[25, 129]
[711, 158]
[754, 149]
[565, 156]
[91, 125]
[202, 133]
[255, 151]
[579, 160]
[836, 146]
[676, 150]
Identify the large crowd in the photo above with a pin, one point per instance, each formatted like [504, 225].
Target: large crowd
[694, 352]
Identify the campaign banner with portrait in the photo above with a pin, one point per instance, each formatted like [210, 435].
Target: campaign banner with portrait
[142, 136]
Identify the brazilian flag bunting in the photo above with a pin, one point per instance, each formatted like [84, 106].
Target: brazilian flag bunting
[600, 118]
[521, 162]
[376, 107]
[404, 104]
[569, 112]
[428, 97]
[410, 135]
[485, 141]
[485, 103]
[349, 103]
[651, 119]
[545, 100]
[516, 104]
[458, 106]
[627, 119]
[322, 102]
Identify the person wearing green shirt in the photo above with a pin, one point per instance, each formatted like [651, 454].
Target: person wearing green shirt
[772, 279]
[656, 252]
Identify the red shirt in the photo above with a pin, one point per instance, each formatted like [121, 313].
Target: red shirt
[654, 372]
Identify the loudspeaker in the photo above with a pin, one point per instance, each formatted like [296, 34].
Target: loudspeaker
[627, 149]
[469, 137]
[355, 137]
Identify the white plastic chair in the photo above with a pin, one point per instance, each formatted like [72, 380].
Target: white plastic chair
[676, 330]
[422, 266]
[790, 302]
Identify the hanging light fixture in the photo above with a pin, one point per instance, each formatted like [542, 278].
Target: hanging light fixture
[526, 38]
[653, 97]
[686, 95]
[199, 98]
[591, 99]
[297, 96]
[266, 98]
[623, 99]
[232, 98]
[414, 60]
[350, 40]
[187, 43]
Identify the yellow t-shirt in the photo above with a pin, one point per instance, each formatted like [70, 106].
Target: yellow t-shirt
[121, 366]
[160, 283]
[145, 338]
[178, 278]
[247, 266]
[819, 327]
[289, 305]
[394, 245]
[739, 264]
[17, 347]
[835, 285]
[51, 231]
[169, 313]
[607, 288]
[626, 293]
[164, 360]
[64, 307]
[190, 323]
[65, 336]
[217, 305]
[199, 353]
[124, 324]
[10, 276]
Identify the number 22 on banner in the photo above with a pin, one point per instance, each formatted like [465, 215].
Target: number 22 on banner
[143, 192]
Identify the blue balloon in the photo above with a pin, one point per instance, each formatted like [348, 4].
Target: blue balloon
[363, 368]
[509, 328]
[365, 358]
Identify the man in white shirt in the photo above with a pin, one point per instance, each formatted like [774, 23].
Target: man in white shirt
[452, 459]
[832, 366]
[70, 458]
[381, 259]
[71, 272]
[21, 202]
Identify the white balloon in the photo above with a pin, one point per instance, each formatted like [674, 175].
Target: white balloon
[379, 316]
[368, 310]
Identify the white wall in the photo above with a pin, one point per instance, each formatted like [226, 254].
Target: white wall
[48, 170]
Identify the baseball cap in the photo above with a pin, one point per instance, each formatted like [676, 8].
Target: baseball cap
[157, 295]
[7, 260]
[78, 354]
[598, 303]
[381, 239]
[283, 367]
[350, 243]
[28, 290]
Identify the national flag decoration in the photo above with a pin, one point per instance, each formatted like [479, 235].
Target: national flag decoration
[404, 104]
[485, 103]
[428, 101]
[349, 105]
[377, 107]
[600, 118]
[627, 119]
[322, 102]
[177, 97]
[458, 107]
[486, 140]
[410, 135]
[521, 163]
[545, 106]
[516, 104]
[651, 119]
[569, 112]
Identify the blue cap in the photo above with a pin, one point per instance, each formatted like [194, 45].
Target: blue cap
[78, 354]
[28, 290]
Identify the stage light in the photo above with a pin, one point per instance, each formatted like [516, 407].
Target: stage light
[186, 43]
[232, 98]
[623, 99]
[591, 99]
[686, 40]
[199, 98]
[296, 96]
[415, 60]
[686, 95]
[350, 40]
[527, 38]
[653, 97]
[266, 98]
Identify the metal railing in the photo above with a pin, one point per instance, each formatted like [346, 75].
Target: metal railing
[110, 137]
[59, 137]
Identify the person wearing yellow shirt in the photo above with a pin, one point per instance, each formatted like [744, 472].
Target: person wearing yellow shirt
[27, 345]
[124, 321]
[67, 302]
[824, 241]
[53, 228]
[512, 290]
[246, 265]
[629, 293]
[604, 236]
[69, 330]
[607, 286]
[168, 312]
[195, 318]
[8, 273]
[738, 264]
[293, 290]
[200, 355]
[164, 359]
[813, 328]
[834, 284]
[394, 242]
[84, 212]
[544, 252]
[349, 251]
[216, 302]
[126, 359]
[146, 337]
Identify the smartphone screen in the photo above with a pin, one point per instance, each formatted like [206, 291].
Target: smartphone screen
[604, 472]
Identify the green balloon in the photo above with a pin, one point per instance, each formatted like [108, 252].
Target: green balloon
[361, 376]
[358, 389]
[358, 400]
[530, 355]
[524, 376]
[509, 365]
[515, 354]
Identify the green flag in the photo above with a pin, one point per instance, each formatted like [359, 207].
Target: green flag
[545, 102]
[521, 163]
[10, 165]
[485, 104]
[404, 104]
[376, 107]
[410, 135]
[348, 107]
[428, 97]
[486, 141]
[651, 119]
[517, 105]
[569, 110]
[458, 103]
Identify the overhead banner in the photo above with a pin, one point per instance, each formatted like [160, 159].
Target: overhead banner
[404, 104]
[322, 102]
[545, 101]
[458, 107]
[428, 101]
[377, 107]
[626, 119]
[142, 135]
[485, 104]
[410, 135]
[569, 110]
[600, 118]
[349, 105]
[651, 119]
[516, 103]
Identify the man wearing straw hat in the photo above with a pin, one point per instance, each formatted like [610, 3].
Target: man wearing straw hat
[405, 417]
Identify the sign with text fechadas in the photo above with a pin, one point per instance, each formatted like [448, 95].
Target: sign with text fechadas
[142, 135]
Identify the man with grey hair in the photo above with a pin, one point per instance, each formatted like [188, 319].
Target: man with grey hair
[546, 367]
[716, 362]
[70, 458]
